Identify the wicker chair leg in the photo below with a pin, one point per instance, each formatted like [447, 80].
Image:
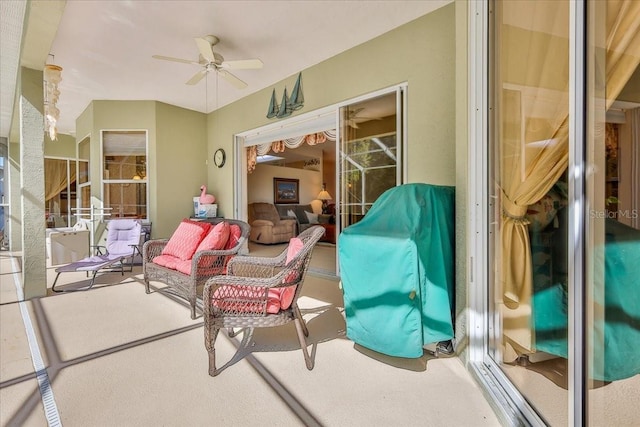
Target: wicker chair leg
[146, 286]
[298, 315]
[300, 328]
[212, 353]
[193, 310]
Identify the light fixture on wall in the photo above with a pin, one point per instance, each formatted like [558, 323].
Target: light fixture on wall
[324, 196]
[52, 75]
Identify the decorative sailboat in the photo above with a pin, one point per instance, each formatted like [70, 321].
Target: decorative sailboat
[297, 97]
[273, 106]
[285, 108]
[288, 105]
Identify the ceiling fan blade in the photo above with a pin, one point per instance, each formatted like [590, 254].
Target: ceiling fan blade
[232, 79]
[243, 64]
[197, 77]
[169, 58]
[205, 49]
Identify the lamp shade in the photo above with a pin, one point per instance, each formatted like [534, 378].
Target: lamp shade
[324, 195]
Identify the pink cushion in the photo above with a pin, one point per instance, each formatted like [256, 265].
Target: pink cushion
[183, 266]
[277, 298]
[216, 238]
[168, 261]
[186, 238]
[294, 248]
[248, 293]
[234, 235]
[287, 293]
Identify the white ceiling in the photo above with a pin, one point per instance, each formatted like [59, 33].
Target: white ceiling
[105, 47]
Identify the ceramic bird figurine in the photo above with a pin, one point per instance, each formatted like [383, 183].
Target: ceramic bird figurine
[206, 199]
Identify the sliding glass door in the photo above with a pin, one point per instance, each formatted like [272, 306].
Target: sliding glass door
[369, 153]
[612, 228]
[563, 200]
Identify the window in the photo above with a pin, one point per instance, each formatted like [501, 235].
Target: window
[124, 173]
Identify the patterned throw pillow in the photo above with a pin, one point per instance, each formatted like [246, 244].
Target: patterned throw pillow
[186, 238]
[541, 213]
[216, 238]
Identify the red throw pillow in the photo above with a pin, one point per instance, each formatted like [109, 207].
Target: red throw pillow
[186, 238]
[216, 239]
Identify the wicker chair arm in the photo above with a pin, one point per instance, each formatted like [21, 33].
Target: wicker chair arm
[153, 248]
[205, 264]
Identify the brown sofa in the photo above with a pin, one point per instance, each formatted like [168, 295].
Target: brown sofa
[300, 215]
[266, 225]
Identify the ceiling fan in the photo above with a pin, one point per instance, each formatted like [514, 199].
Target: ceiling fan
[353, 115]
[213, 61]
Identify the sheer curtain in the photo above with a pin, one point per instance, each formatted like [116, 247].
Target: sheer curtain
[55, 172]
[532, 162]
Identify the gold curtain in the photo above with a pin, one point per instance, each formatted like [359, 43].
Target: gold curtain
[529, 168]
[55, 173]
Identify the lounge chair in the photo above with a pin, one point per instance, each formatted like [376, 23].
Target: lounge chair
[123, 242]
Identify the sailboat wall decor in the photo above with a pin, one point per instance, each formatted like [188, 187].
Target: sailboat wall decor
[285, 108]
[273, 106]
[288, 104]
[297, 97]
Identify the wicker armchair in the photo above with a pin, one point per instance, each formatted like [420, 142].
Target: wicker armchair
[204, 264]
[243, 298]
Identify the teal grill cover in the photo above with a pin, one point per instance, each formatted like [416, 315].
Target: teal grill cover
[616, 327]
[397, 271]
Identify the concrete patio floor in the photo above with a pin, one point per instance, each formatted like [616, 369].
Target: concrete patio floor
[115, 356]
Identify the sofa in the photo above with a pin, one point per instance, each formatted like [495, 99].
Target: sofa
[267, 226]
[303, 215]
[195, 252]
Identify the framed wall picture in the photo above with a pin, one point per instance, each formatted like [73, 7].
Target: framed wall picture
[286, 190]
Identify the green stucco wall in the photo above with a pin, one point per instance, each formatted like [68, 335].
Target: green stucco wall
[178, 165]
[421, 53]
[177, 152]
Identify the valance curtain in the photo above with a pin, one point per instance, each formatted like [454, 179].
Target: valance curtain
[530, 167]
[279, 146]
[55, 173]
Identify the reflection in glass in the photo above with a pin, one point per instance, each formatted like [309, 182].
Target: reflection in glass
[368, 155]
[529, 146]
[613, 192]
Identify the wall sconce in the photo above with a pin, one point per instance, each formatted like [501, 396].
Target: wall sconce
[52, 76]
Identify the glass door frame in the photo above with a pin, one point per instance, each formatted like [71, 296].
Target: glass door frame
[512, 406]
[313, 121]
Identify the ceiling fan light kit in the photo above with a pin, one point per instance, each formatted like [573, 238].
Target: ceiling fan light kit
[210, 60]
[288, 104]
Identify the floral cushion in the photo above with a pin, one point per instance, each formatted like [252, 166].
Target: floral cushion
[186, 238]
[541, 213]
